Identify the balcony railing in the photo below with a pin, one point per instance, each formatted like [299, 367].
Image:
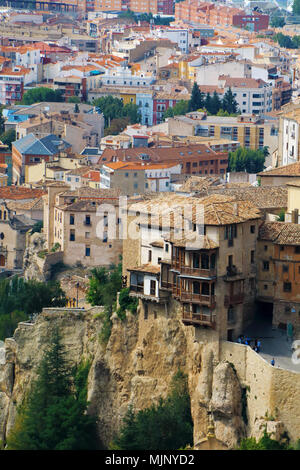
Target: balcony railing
[233, 299]
[199, 319]
[197, 271]
[198, 298]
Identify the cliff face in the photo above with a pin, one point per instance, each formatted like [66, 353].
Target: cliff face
[135, 367]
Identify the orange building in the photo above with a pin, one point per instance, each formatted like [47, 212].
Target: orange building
[212, 14]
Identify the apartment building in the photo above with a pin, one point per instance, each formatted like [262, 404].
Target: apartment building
[198, 159]
[164, 100]
[133, 178]
[11, 86]
[212, 14]
[250, 131]
[75, 220]
[163, 7]
[209, 278]
[289, 141]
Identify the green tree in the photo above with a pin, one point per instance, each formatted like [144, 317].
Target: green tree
[116, 126]
[242, 159]
[73, 99]
[165, 426]
[110, 107]
[19, 299]
[277, 21]
[131, 111]
[104, 284]
[197, 99]
[216, 103]
[8, 137]
[36, 95]
[179, 109]
[207, 103]
[229, 103]
[264, 443]
[296, 7]
[53, 416]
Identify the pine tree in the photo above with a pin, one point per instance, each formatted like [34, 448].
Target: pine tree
[229, 103]
[216, 103]
[207, 103]
[196, 102]
[53, 416]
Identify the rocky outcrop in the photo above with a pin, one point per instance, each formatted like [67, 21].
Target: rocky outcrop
[135, 367]
[37, 261]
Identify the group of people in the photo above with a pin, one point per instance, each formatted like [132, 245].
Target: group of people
[255, 344]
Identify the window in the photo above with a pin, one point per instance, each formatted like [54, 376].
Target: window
[285, 268]
[87, 234]
[265, 287]
[297, 249]
[87, 220]
[87, 250]
[266, 247]
[266, 266]
[252, 256]
[252, 228]
[104, 237]
[149, 256]
[152, 287]
[126, 175]
[167, 247]
[72, 235]
[287, 287]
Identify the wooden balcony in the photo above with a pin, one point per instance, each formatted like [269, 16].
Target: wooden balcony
[199, 319]
[208, 300]
[234, 299]
[197, 272]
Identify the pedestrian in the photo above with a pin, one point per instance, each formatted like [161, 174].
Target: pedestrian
[258, 346]
[273, 362]
[256, 349]
[239, 340]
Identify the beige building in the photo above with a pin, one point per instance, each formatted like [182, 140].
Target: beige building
[13, 229]
[211, 278]
[281, 175]
[250, 131]
[79, 129]
[78, 221]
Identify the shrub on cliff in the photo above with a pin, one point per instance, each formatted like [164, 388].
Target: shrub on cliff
[165, 426]
[53, 415]
[19, 299]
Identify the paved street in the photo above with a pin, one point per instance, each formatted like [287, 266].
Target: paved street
[274, 343]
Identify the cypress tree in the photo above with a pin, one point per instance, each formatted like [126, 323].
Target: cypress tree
[196, 101]
[53, 416]
[229, 103]
[215, 104]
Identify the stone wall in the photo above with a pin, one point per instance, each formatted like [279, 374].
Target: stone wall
[269, 389]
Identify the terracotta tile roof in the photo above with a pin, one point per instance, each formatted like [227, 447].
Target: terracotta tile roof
[263, 197]
[20, 192]
[146, 268]
[280, 233]
[293, 169]
[203, 241]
